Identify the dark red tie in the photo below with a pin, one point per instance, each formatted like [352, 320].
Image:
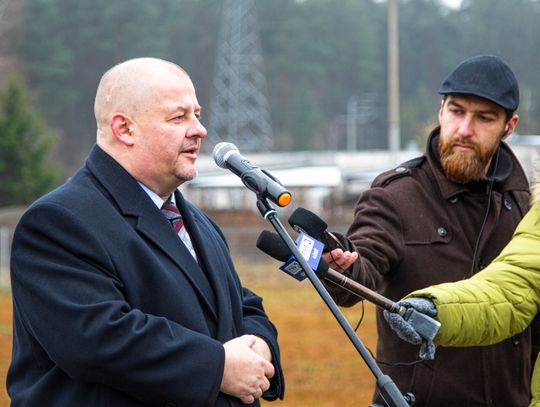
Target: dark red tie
[173, 215]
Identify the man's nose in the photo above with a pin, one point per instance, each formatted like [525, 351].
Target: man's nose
[466, 127]
[197, 129]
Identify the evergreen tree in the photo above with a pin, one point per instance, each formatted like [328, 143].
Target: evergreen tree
[25, 143]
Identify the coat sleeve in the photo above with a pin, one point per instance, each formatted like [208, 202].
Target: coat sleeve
[376, 234]
[255, 321]
[500, 301]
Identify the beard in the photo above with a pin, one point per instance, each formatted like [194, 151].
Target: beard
[462, 167]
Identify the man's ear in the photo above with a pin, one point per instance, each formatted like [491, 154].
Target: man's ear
[441, 107]
[121, 128]
[510, 126]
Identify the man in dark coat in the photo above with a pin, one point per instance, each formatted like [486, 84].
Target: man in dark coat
[112, 305]
[443, 217]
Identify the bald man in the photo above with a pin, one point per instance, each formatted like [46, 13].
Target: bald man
[124, 293]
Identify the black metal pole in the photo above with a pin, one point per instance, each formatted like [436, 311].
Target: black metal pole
[388, 389]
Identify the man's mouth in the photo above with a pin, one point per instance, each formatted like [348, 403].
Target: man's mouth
[463, 147]
[191, 151]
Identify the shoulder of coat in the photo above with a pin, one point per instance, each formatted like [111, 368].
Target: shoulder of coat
[401, 171]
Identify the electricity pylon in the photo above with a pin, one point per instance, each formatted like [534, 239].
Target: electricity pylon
[239, 111]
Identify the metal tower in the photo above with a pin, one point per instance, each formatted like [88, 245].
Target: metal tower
[239, 111]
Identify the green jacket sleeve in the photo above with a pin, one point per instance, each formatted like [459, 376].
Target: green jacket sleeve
[498, 302]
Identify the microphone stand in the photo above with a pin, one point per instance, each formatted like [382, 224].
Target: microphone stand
[388, 389]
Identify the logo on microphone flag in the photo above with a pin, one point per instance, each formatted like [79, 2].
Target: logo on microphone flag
[310, 249]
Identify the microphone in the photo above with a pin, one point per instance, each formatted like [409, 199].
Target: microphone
[271, 244]
[303, 220]
[227, 155]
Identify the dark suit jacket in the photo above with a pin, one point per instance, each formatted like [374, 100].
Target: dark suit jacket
[110, 308]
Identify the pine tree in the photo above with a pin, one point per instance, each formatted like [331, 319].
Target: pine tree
[25, 143]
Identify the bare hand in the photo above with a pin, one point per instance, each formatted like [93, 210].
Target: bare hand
[246, 373]
[339, 260]
[262, 349]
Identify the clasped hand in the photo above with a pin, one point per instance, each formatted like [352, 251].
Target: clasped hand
[248, 368]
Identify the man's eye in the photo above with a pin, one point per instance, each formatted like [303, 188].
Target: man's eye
[485, 118]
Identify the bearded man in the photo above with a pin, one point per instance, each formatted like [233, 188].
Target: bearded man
[442, 217]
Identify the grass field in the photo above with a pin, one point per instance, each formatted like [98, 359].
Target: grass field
[322, 368]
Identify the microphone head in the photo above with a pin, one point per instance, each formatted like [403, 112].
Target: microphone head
[271, 244]
[306, 221]
[222, 151]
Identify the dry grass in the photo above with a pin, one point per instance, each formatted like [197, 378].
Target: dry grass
[322, 368]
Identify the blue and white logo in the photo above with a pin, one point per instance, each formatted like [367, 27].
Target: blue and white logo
[310, 249]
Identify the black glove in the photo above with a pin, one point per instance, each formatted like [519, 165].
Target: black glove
[406, 331]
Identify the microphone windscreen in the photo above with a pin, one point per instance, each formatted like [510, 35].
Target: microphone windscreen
[271, 244]
[222, 151]
[303, 220]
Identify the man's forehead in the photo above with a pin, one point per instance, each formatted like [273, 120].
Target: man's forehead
[474, 103]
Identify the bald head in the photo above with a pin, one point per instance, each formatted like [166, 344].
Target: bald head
[129, 88]
[147, 117]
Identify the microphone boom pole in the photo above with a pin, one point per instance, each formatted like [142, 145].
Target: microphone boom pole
[362, 291]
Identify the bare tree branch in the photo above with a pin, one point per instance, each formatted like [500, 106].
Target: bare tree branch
[4, 25]
[10, 19]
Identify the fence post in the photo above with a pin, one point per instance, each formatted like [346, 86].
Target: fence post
[4, 256]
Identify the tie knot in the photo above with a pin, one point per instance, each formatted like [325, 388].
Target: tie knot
[172, 213]
[170, 210]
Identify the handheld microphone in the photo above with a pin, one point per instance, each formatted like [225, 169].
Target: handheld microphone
[303, 220]
[227, 155]
[271, 244]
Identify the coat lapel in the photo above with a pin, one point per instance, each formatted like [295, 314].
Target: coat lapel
[215, 265]
[150, 222]
[161, 233]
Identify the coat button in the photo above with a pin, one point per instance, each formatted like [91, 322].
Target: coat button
[508, 204]
[442, 232]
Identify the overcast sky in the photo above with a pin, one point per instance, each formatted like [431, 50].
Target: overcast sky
[449, 3]
[453, 3]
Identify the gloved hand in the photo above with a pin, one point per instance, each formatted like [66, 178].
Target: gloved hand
[406, 331]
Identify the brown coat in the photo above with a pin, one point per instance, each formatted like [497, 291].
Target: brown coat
[415, 228]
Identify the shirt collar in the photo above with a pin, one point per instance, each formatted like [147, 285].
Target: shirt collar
[155, 197]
